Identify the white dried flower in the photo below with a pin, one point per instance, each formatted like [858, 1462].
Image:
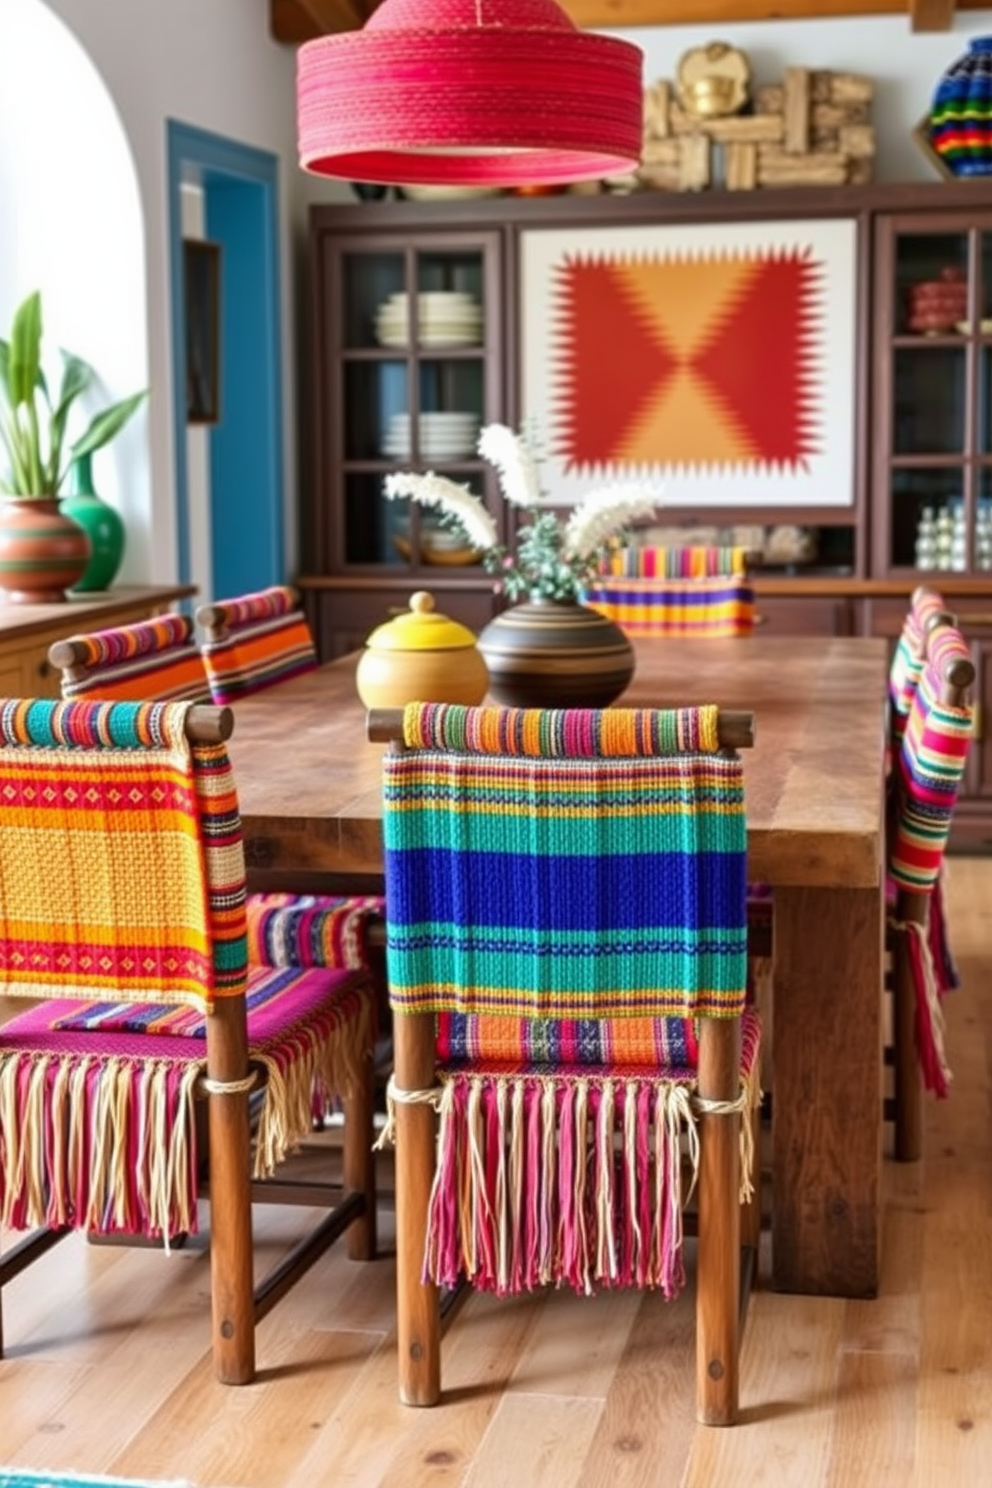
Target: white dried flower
[449, 497]
[513, 462]
[604, 512]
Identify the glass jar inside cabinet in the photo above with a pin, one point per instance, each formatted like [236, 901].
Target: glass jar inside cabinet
[932, 457]
[419, 373]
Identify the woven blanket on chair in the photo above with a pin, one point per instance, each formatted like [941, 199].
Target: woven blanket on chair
[311, 929]
[710, 607]
[931, 767]
[598, 886]
[269, 642]
[102, 870]
[154, 658]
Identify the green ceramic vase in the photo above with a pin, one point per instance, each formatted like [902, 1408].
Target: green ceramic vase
[102, 524]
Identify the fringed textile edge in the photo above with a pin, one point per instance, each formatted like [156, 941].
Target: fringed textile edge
[315, 1063]
[577, 1180]
[929, 1021]
[107, 1145]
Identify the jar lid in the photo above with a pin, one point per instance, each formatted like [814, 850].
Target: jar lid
[420, 630]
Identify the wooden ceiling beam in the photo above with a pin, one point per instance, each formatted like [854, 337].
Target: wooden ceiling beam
[299, 20]
[931, 15]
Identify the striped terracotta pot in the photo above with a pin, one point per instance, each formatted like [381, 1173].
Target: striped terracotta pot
[547, 653]
[42, 551]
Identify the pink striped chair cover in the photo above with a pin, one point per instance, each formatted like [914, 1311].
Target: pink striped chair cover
[122, 912]
[153, 660]
[909, 655]
[929, 769]
[253, 642]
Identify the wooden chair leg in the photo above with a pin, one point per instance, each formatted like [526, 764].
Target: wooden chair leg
[751, 1210]
[718, 1248]
[359, 1164]
[418, 1317]
[231, 1281]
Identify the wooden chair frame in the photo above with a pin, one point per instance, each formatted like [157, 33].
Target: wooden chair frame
[728, 1231]
[229, 1085]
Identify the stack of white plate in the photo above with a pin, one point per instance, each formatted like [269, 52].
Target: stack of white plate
[442, 436]
[444, 318]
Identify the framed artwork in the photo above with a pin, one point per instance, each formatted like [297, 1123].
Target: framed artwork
[201, 270]
[717, 360]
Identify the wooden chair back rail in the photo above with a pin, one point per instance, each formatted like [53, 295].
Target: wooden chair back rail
[735, 729]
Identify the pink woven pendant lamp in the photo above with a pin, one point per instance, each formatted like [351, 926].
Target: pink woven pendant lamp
[469, 93]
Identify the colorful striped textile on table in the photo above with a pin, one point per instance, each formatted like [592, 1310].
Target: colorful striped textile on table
[710, 607]
[121, 1081]
[694, 561]
[121, 868]
[555, 890]
[930, 767]
[151, 659]
[311, 929]
[264, 640]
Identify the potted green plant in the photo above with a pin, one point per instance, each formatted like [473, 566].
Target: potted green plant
[34, 429]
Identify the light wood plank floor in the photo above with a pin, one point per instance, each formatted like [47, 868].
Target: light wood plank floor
[108, 1369]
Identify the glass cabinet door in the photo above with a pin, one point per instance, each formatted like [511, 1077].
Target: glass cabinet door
[933, 426]
[417, 375]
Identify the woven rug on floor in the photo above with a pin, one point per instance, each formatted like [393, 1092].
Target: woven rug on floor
[17, 1477]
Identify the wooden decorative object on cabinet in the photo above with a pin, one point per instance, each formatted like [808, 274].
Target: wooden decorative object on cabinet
[27, 631]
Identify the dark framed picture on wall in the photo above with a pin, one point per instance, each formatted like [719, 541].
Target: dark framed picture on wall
[201, 267]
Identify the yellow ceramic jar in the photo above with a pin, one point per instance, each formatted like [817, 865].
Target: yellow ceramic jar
[421, 657]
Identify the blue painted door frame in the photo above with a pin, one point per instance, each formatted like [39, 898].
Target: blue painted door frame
[240, 191]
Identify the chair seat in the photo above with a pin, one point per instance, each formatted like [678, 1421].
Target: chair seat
[105, 1096]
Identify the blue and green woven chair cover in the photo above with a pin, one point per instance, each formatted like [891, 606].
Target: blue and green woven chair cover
[567, 903]
[122, 912]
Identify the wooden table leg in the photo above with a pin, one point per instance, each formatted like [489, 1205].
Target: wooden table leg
[827, 1091]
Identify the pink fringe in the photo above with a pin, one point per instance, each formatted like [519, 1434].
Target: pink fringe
[929, 1017]
[570, 1181]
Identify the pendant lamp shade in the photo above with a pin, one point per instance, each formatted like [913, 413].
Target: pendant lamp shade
[469, 93]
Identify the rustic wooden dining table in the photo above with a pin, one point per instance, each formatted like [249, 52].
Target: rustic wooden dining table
[309, 786]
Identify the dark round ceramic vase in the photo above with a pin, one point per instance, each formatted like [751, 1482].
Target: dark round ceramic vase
[547, 653]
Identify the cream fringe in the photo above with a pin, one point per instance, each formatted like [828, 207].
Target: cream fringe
[160, 1185]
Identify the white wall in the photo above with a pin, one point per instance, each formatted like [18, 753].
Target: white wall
[88, 204]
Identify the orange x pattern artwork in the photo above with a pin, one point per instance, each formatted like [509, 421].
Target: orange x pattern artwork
[701, 360]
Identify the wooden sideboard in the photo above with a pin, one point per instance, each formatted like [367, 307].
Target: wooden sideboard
[27, 631]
